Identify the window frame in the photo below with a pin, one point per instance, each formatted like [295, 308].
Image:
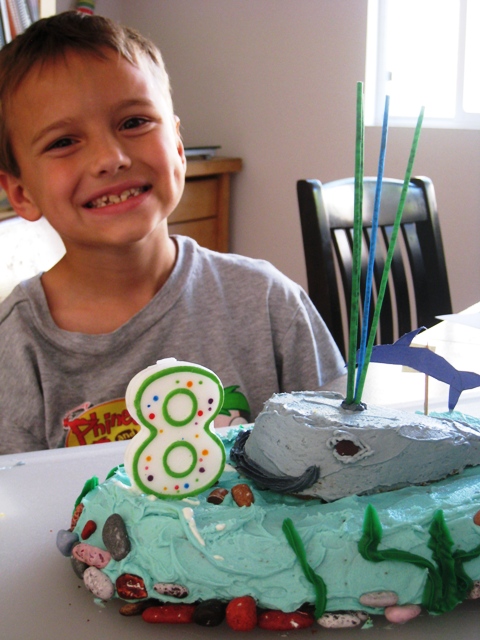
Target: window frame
[376, 76]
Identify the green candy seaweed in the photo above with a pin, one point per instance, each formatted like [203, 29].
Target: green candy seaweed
[447, 584]
[295, 541]
[89, 485]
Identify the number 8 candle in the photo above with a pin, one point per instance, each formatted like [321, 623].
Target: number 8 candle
[176, 453]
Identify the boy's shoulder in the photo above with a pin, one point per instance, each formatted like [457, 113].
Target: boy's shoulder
[231, 264]
[13, 305]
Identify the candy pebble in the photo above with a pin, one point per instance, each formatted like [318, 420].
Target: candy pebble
[78, 566]
[115, 537]
[379, 599]
[210, 613]
[280, 621]
[98, 583]
[241, 614]
[171, 589]
[342, 620]
[170, 614]
[89, 529]
[93, 556]
[242, 494]
[402, 613]
[65, 542]
[130, 587]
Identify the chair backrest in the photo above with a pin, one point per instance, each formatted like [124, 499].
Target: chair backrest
[418, 287]
[26, 248]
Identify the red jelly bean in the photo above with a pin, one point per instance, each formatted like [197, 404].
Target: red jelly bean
[89, 528]
[241, 614]
[170, 614]
[280, 621]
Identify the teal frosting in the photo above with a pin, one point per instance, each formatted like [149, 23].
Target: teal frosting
[226, 551]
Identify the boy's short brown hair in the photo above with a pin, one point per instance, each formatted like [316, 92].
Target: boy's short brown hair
[50, 39]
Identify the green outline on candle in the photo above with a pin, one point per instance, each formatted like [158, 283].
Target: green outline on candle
[175, 445]
[179, 423]
[153, 432]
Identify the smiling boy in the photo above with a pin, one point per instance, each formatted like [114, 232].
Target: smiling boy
[89, 140]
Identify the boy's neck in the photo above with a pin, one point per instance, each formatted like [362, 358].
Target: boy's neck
[97, 292]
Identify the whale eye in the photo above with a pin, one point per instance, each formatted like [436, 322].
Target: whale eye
[346, 448]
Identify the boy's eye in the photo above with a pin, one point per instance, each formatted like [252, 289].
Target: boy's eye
[61, 143]
[134, 122]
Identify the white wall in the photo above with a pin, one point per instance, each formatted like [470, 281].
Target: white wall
[274, 81]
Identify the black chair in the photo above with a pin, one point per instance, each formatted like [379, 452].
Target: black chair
[418, 287]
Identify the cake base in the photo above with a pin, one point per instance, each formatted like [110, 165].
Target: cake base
[191, 551]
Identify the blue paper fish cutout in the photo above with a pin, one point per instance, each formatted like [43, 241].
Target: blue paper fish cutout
[427, 362]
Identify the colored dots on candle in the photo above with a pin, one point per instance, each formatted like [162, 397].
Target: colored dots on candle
[148, 458]
[202, 470]
[200, 413]
[151, 416]
[150, 478]
[189, 384]
[205, 452]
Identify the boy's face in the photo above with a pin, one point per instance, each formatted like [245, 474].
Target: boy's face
[98, 148]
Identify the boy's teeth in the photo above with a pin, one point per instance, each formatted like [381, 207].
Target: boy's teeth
[115, 198]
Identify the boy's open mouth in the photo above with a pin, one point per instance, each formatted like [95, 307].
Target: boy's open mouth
[115, 198]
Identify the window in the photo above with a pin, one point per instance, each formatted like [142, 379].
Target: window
[424, 52]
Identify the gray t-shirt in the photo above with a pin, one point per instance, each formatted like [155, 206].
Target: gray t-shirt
[239, 317]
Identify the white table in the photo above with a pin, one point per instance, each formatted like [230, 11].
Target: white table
[40, 597]
[394, 386]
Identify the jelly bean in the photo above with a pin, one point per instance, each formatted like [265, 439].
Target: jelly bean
[402, 613]
[98, 583]
[217, 496]
[242, 494]
[137, 608]
[280, 621]
[130, 587]
[93, 556]
[241, 614]
[89, 529]
[379, 599]
[170, 614]
[171, 589]
[342, 620]
[210, 613]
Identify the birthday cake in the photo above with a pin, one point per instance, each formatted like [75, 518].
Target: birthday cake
[193, 528]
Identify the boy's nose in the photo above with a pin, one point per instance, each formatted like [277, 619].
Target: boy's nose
[109, 157]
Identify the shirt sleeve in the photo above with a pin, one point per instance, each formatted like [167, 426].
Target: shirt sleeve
[307, 356]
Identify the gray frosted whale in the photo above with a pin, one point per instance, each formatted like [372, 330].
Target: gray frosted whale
[306, 443]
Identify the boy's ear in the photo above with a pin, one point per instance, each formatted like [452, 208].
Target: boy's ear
[18, 196]
[180, 146]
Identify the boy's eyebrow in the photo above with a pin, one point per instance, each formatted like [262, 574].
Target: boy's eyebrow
[58, 124]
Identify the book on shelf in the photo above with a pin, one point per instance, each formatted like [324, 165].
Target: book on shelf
[19, 15]
[204, 153]
[6, 34]
[15, 17]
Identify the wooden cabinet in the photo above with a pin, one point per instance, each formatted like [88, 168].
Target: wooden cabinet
[203, 211]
